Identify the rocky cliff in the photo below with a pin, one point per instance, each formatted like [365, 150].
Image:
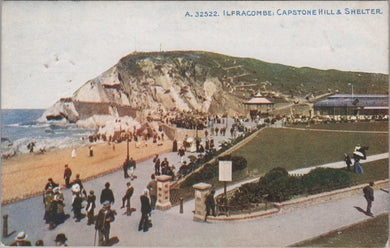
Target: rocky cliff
[141, 84]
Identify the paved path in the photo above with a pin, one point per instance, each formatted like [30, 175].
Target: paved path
[170, 228]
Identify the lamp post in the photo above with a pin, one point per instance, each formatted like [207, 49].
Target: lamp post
[351, 95]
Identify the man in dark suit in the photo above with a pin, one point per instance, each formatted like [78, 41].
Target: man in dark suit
[210, 204]
[107, 194]
[145, 210]
[126, 198]
[369, 195]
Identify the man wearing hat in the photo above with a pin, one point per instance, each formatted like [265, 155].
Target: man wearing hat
[51, 183]
[126, 198]
[21, 240]
[91, 207]
[61, 239]
[105, 216]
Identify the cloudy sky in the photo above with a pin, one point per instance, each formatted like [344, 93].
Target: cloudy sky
[49, 49]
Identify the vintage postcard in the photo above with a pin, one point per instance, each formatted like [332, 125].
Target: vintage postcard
[195, 124]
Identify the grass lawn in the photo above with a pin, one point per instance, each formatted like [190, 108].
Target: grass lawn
[372, 233]
[293, 149]
[354, 126]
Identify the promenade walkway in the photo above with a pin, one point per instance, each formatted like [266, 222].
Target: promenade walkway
[172, 229]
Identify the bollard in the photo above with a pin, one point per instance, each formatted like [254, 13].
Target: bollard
[5, 225]
[181, 205]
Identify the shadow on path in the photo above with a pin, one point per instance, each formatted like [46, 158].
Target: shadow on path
[363, 211]
[112, 241]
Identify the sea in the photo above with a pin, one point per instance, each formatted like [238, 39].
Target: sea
[19, 127]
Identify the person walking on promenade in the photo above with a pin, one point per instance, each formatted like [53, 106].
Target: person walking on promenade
[132, 166]
[104, 218]
[145, 210]
[210, 204]
[126, 198]
[67, 175]
[348, 161]
[126, 166]
[50, 208]
[77, 206]
[91, 205]
[156, 161]
[107, 194]
[48, 197]
[369, 195]
[61, 239]
[59, 201]
[152, 187]
[78, 181]
[21, 240]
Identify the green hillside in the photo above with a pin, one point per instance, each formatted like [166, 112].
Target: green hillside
[233, 71]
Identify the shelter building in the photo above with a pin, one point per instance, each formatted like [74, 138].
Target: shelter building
[259, 104]
[345, 104]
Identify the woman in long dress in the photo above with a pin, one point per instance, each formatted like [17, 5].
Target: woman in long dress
[357, 167]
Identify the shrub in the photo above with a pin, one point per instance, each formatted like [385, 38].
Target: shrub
[324, 179]
[284, 188]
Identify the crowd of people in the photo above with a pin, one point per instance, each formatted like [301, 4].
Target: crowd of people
[83, 203]
[54, 202]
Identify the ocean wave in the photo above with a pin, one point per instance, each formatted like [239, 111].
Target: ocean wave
[46, 142]
[29, 125]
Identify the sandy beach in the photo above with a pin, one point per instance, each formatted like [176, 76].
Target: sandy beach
[25, 175]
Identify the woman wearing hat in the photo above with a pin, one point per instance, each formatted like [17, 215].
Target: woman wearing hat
[59, 201]
[21, 240]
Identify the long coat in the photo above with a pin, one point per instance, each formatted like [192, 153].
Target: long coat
[104, 218]
[145, 205]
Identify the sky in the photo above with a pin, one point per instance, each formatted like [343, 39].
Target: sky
[51, 48]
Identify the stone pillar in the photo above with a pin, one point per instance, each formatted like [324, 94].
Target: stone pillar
[201, 190]
[163, 184]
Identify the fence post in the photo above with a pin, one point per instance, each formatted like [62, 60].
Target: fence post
[181, 205]
[5, 225]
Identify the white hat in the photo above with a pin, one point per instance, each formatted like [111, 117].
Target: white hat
[21, 236]
[76, 188]
[56, 189]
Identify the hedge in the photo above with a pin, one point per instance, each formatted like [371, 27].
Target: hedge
[277, 185]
